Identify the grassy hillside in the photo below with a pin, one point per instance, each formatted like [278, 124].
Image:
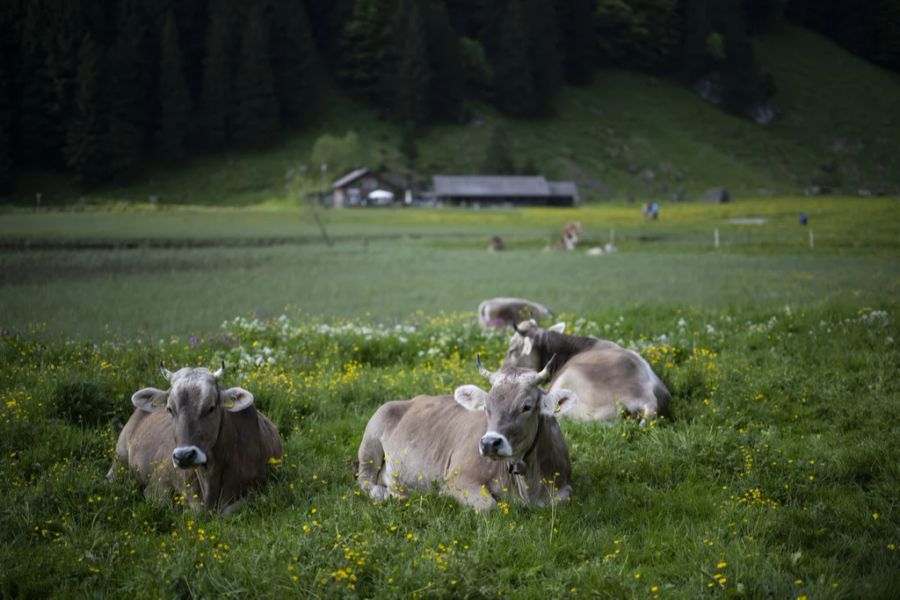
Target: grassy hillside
[626, 134]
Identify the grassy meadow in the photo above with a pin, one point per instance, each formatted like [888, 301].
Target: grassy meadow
[776, 474]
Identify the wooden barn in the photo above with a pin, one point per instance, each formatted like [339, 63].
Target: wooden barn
[503, 190]
[363, 187]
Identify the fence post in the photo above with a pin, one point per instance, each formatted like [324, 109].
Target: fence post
[716, 237]
[812, 239]
[612, 236]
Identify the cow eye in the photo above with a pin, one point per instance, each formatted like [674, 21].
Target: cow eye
[170, 411]
[526, 408]
[210, 409]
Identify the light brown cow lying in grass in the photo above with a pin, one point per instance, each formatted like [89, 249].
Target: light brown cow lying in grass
[606, 377]
[483, 448]
[504, 312]
[198, 440]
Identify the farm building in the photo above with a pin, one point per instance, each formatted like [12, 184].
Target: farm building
[519, 190]
[363, 187]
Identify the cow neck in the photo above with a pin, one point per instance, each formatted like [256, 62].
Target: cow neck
[207, 477]
[520, 467]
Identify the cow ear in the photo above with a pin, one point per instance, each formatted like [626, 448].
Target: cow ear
[558, 402]
[149, 400]
[470, 396]
[558, 327]
[236, 399]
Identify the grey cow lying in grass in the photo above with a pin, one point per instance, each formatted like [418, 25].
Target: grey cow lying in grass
[197, 439]
[482, 448]
[606, 377]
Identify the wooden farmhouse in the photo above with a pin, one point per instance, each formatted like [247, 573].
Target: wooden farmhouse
[503, 190]
[363, 187]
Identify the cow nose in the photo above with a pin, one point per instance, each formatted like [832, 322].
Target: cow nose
[490, 444]
[183, 457]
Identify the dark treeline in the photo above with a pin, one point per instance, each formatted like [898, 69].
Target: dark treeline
[97, 86]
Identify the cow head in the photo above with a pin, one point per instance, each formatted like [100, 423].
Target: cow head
[196, 406]
[525, 344]
[514, 407]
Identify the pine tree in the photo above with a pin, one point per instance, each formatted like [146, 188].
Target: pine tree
[545, 58]
[446, 86]
[514, 85]
[217, 74]
[410, 71]
[695, 59]
[173, 94]
[6, 116]
[125, 92]
[498, 159]
[293, 55]
[363, 48]
[256, 105]
[85, 148]
[576, 30]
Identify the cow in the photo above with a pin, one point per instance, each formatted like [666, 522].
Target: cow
[481, 449]
[568, 239]
[503, 312]
[197, 439]
[606, 377]
[496, 244]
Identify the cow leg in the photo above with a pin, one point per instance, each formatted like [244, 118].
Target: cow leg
[473, 494]
[231, 508]
[371, 461]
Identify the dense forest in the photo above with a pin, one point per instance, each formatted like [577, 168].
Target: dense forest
[94, 87]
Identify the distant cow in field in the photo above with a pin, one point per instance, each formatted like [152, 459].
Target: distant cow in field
[606, 377]
[496, 244]
[195, 438]
[569, 237]
[503, 312]
[485, 447]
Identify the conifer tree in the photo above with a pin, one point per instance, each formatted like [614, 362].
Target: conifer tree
[173, 94]
[125, 91]
[256, 105]
[545, 58]
[6, 115]
[410, 73]
[85, 145]
[514, 85]
[364, 45]
[217, 75]
[292, 59]
[446, 86]
[576, 31]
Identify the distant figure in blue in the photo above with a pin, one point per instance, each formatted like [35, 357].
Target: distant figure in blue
[803, 219]
[654, 210]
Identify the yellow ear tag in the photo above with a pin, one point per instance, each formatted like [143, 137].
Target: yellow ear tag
[228, 403]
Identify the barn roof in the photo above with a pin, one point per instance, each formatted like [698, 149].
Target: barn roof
[349, 177]
[490, 185]
[563, 188]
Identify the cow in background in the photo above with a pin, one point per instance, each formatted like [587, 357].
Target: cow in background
[606, 377]
[487, 446]
[197, 439]
[503, 312]
[569, 237]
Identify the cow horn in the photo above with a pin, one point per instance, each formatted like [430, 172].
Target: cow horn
[165, 372]
[484, 372]
[544, 374]
[220, 372]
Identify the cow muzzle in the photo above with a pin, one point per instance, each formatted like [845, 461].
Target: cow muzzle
[187, 457]
[494, 445]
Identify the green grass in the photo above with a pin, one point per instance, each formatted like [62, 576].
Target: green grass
[117, 273]
[775, 476]
[838, 129]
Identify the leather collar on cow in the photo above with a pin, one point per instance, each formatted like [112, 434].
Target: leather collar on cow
[521, 466]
